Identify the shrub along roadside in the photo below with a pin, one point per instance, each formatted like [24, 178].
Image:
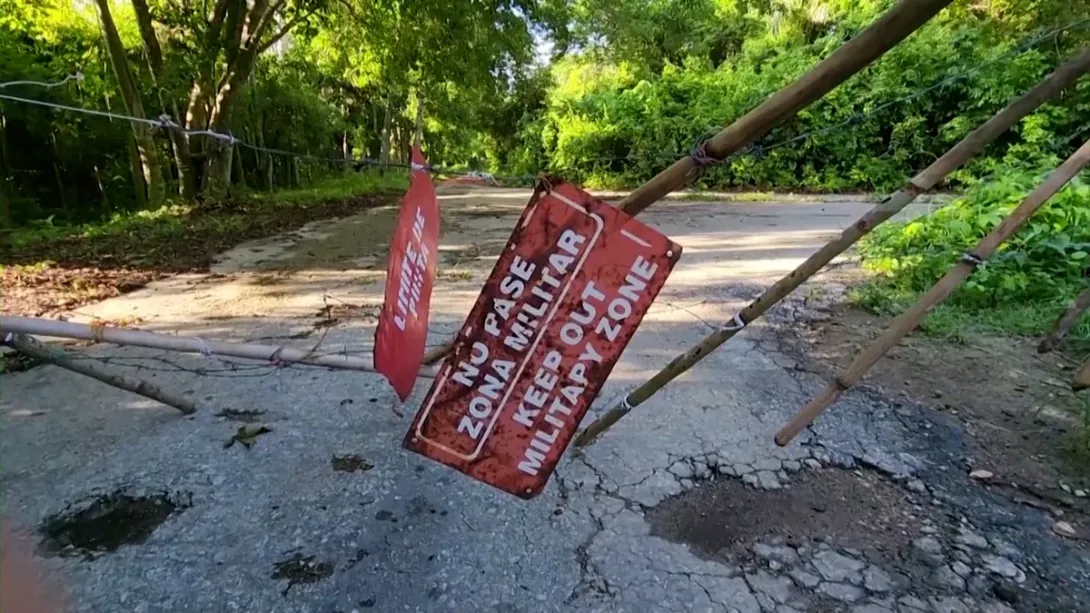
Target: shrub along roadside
[50, 268]
[1021, 290]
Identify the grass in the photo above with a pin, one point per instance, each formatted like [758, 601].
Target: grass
[957, 324]
[173, 220]
[49, 268]
[953, 322]
[700, 196]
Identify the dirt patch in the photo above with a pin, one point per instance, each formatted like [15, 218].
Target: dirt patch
[244, 415]
[723, 517]
[300, 569]
[107, 523]
[61, 273]
[44, 289]
[350, 463]
[1015, 405]
[14, 361]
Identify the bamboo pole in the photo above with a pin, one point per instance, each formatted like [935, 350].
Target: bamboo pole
[939, 292]
[960, 153]
[437, 354]
[895, 25]
[140, 338]
[96, 370]
[1065, 322]
[1082, 378]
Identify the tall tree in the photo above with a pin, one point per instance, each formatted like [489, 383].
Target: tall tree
[153, 55]
[228, 40]
[130, 95]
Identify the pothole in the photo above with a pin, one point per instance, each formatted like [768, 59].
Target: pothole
[107, 523]
[243, 415]
[300, 569]
[350, 463]
[723, 517]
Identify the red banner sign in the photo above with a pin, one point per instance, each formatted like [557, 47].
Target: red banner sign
[564, 299]
[402, 331]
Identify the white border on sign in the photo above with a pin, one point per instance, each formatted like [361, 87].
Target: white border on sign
[441, 381]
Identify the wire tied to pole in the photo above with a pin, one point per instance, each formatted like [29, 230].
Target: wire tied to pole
[699, 152]
[972, 259]
[736, 323]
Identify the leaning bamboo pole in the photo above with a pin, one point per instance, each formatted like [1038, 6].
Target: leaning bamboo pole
[939, 292]
[141, 338]
[1082, 378]
[895, 25]
[960, 153]
[1065, 322]
[98, 371]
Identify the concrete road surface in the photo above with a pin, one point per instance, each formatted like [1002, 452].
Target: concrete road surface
[327, 513]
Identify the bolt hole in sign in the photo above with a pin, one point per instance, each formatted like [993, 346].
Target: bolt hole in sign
[402, 332]
[564, 299]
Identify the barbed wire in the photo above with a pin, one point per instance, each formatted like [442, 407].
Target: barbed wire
[76, 76]
[165, 122]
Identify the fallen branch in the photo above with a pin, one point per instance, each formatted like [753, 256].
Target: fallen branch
[141, 338]
[1065, 322]
[908, 321]
[96, 370]
[960, 153]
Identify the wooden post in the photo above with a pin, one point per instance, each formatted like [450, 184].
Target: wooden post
[939, 292]
[1082, 379]
[960, 153]
[1065, 322]
[895, 25]
[96, 370]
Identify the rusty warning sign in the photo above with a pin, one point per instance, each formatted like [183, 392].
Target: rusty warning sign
[564, 299]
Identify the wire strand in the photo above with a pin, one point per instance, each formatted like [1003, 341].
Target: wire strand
[78, 76]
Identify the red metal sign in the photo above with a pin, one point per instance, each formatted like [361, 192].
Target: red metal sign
[402, 330]
[564, 299]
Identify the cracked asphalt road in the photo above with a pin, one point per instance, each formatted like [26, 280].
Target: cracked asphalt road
[406, 534]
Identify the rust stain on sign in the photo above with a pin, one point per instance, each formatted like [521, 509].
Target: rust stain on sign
[564, 299]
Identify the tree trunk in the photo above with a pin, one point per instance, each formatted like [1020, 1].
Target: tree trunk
[179, 142]
[102, 189]
[239, 173]
[418, 136]
[217, 174]
[384, 150]
[5, 185]
[61, 190]
[150, 168]
[268, 166]
[138, 185]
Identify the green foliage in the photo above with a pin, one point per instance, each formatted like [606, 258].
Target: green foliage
[226, 224]
[605, 92]
[1021, 289]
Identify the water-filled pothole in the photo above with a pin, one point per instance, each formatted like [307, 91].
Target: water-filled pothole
[107, 523]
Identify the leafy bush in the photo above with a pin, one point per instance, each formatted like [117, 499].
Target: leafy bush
[1021, 289]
